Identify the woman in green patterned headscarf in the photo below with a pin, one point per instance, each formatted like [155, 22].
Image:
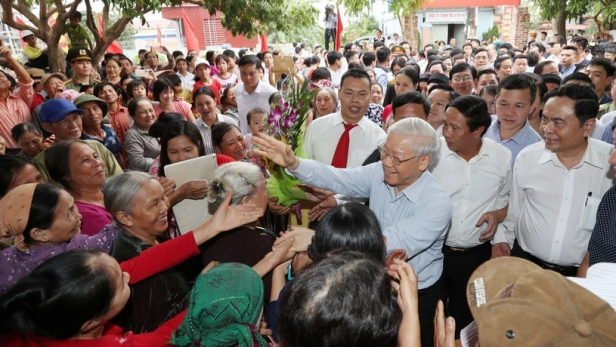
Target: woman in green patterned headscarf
[225, 309]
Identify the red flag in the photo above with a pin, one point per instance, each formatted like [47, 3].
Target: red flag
[23, 43]
[339, 29]
[114, 47]
[189, 32]
[159, 36]
[263, 40]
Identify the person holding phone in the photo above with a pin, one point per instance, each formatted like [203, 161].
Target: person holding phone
[152, 62]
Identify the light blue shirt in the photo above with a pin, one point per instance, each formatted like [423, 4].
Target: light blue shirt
[522, 139]
[416, 219]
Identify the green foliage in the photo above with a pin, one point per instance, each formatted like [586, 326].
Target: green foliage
[242, 17]
[311, 36]
[358, 28]
[401, 7]
[490, 33]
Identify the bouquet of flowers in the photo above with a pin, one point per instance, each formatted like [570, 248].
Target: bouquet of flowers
[287, 123]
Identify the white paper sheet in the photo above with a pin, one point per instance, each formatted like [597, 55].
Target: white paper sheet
[190, 214]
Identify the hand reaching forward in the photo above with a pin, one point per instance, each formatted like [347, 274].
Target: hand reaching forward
[275, 151]
[444, 330]
[229, 217]
[302, 236]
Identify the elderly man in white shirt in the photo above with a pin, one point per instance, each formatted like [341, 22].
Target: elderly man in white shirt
[252, 92]
[476, 173]
[557, 185]
[188, 79]
[347, 131]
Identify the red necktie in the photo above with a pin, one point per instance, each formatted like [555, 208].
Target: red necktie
[342, 150]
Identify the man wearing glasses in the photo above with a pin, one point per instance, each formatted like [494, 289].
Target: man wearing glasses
[462, 78]
[62, 119]
[412, 208]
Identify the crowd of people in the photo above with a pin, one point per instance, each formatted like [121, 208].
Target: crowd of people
[456, 189]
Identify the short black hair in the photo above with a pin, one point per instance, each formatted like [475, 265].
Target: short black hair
[131, 85]
[57, 162]
[577, 76]
[508, 46]
[519, 56]
[358, 310]
[585, 98]
[499, 61]
[382, 55]
[518, 81]
[456, 51]
[432, 52]
[333, 56]
[533, 59]
[539, 67]
[378, 44]
[160, 86]
[487, 71]
[460, 68]
[539, 46]
[475, 110]
[571, 48]
[491, 89]
[348, 227]
[368, 58]
[481, 49]
[411, 98]
[446, 87]
[355, 73]
[580, 41]
[219, 130]
[436, 62]
[254, 111]
[607, 65]
[22, 128]
[229, 53]
[250, 60]
[349, 54]
[320, 73]
[76, 15]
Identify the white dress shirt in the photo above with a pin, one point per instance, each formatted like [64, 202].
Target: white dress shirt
[475, 187]
[246, 102]
[336, 77]
[188, 81]
[547, 202]
[323, 134]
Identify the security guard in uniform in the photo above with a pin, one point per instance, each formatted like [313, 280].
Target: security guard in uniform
[81, 64]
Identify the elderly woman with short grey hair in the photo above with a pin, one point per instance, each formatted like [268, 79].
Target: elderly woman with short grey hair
[413, 209]
[139, 207]
[244, 244]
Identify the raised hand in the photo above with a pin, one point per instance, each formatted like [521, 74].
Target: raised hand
[275, 151]
[302, 236]
[229, 217]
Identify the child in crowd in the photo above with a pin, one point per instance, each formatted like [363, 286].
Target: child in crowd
[256, 118]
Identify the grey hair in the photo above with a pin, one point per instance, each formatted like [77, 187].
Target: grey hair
[119, 192]
[425, 140]
[240, 178]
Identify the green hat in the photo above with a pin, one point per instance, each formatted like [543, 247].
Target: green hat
[82, 99]
[225, 306]
[78, 53]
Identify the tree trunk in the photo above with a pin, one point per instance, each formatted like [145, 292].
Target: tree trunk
[409, 30]
[560, 22]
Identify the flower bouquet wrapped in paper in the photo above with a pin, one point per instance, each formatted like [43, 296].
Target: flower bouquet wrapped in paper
[287, 122]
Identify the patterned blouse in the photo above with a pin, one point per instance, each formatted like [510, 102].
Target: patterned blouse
[15, 264]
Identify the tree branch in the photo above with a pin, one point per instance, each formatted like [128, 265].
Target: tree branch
[91, 25]
[55, 9]
[22, 7]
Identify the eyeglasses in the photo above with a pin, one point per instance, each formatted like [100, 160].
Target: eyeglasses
[395, 160]
[66, 122]
[248, 183]
[464, 79]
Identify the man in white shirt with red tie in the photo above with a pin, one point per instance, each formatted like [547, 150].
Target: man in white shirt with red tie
[346, 138]
[550, 216]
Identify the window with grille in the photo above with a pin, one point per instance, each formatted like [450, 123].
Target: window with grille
[214, 32]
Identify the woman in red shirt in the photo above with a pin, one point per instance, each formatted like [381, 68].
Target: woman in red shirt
[204, 73]
[70, 299]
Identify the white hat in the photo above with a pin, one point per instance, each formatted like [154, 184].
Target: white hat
[26, 33]
[202, 61]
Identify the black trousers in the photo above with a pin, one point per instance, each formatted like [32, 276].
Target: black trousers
[517, 251]
[42, 62]
[459, 265]
[330, 33]
[428, 299]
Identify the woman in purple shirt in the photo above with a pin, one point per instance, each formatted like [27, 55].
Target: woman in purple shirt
[50, 223]
[82, 172]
